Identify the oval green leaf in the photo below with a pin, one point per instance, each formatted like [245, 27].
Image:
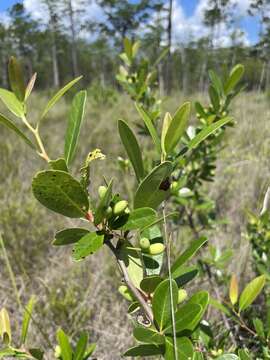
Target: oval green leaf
[184, 348]
[149, 193]
[75, 119]
[139, 219]
[87, 245]
[162, 305]
[12, 103]
[60, 192]
[132, 148]
[58, 96]
[251, 291]
[69, 236]
[177, 127]
[9, 124]
[148, 336]
[16, 78]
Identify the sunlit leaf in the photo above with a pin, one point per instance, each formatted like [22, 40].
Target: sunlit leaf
[75, 119]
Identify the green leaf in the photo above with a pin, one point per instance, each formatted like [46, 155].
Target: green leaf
[103, 204]
[75, 119]
[177, 127]
[26, 319]
[60, 192]
[5, 330]
[189, 253]
[214, 97]
[184, 348]
[12, 103]
[161, 303]
[207, 131]
[216, 82]
[128, 48]
[91, 348]
[81, 347]
[59, 164]
[148, 336]
[243, 354]
[139, 218]
[143, 350]
[66, 349]
[149, 124]
[258, 325]
[16, 78]
[234, 78]
[149, 193]
[165, 125]
[184, 274]
[9, 124]
[200, 110]
[132, 148]
[69, 236]
[132, 260]
[150, 283]
[251, 291]
[201, 298]
[88, 244]
[186, 318]
[58, 96]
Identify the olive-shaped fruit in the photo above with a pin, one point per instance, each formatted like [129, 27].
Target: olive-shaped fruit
[125, 292]
[144, 243]
[156, 249]
[182, 295]
[57, 352]
[120, 207]
[102, 191]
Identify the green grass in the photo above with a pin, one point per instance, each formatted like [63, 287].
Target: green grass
[79, 296]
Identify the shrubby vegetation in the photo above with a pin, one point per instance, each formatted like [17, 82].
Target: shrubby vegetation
[163, 192]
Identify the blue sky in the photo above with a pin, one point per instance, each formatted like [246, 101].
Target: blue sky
[186, 18]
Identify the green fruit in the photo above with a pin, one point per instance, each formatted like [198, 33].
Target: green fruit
[125, 292]
[120, 207]
[127, 211]
[57, 352]
[182, 295]
[102, 191]
[144, 243]
[156, 249]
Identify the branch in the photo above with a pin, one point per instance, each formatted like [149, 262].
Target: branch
[131, 286]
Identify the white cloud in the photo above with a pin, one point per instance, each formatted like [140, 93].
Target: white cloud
[193, 27]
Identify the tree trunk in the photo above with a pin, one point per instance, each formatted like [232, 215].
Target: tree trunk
[4, 70]
[169, 39]
[262, 77]
[74, 55]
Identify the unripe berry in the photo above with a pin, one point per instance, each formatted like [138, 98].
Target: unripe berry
[120, 207]
[144, 243]
[182, 295]
[156, 249]
[102, 191]
[125, 292]
[57, 352]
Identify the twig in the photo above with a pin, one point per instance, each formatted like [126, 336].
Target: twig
[130, 284]
[168, 251]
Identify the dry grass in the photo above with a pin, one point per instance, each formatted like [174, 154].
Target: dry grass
[83, 295]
